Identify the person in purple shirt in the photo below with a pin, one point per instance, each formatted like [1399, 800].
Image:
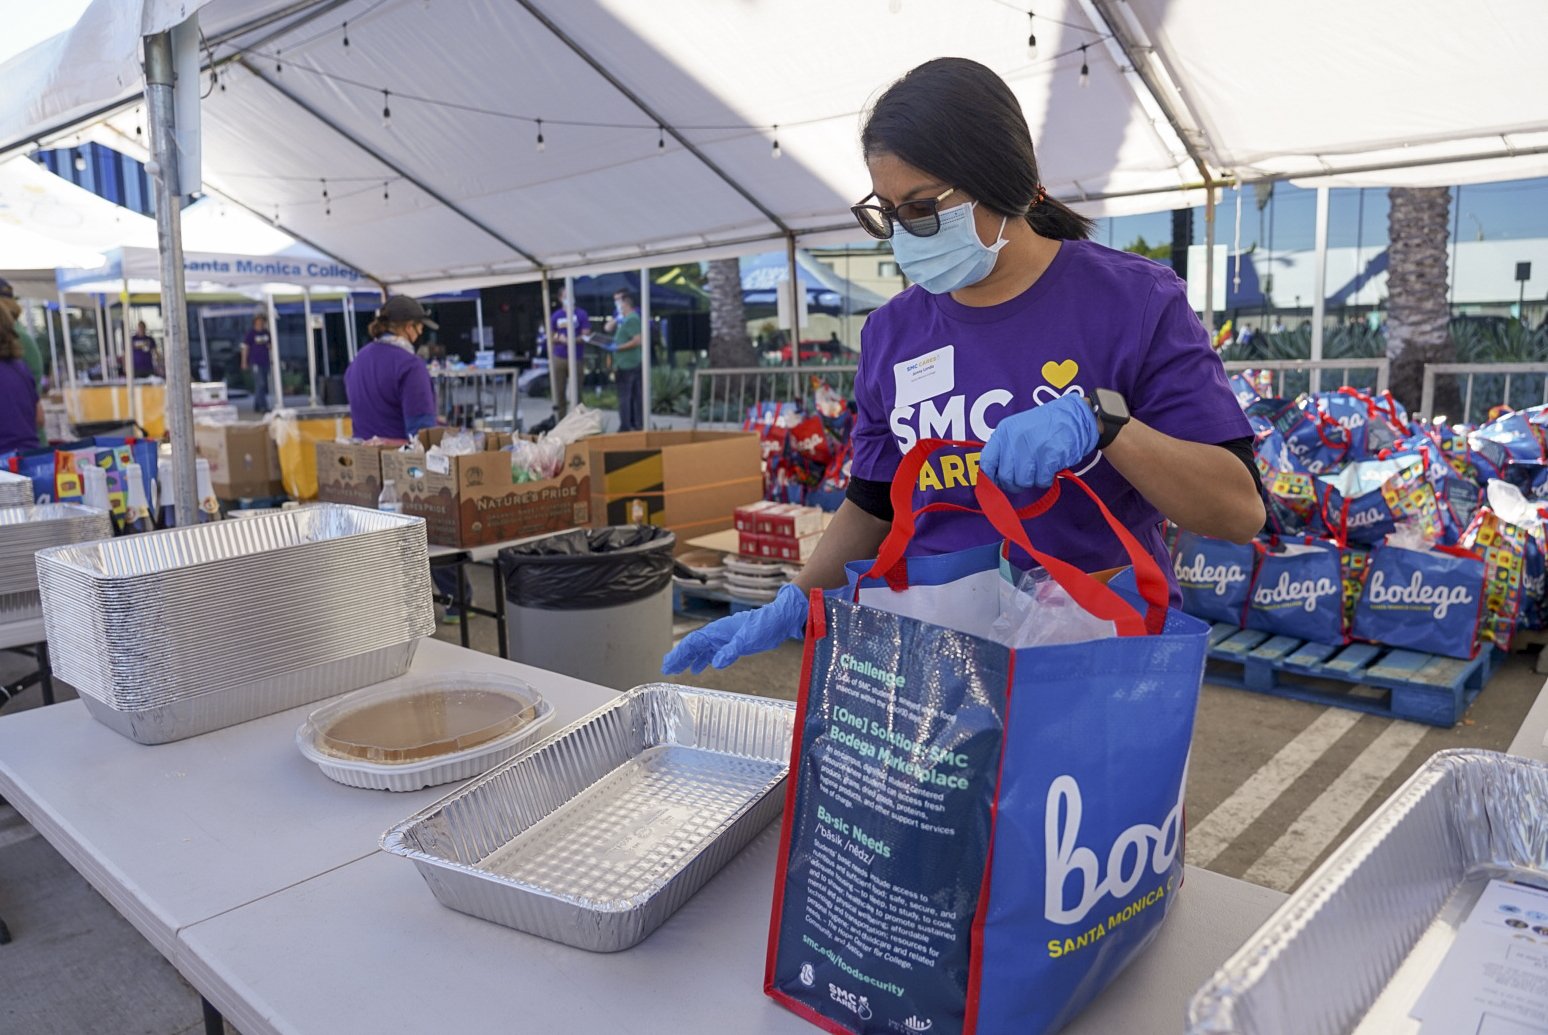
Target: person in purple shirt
[1057, 353]
[389, 389]
[143, 348]
[559, 352]
[20, 414]
[256, 357]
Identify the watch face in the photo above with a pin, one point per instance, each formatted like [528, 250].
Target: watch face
[1113, 405]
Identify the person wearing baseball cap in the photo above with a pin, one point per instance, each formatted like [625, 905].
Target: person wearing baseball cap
[390, 395]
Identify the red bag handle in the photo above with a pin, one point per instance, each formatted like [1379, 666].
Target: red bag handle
[1086, 591]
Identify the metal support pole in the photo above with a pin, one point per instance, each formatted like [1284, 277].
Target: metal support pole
[169, 239]
[327, 359]
[645, 346]
[1320, 288]
[69, 346]
[478, 318]
[311, 353]
[1209, 260]
[128, 360]
[572, 390]
[204, 350]
[276, 377]
[351, 332]
[102, 345]
[548, 336]
[795, 308]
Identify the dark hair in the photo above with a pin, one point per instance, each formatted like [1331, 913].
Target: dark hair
[634, 303]
[957, 120]
[10, 341]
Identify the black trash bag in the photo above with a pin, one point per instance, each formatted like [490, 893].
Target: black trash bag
[584, 570]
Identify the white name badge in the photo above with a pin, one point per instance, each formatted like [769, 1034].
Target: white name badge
[925, 377]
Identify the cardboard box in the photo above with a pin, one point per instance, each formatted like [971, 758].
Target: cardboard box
[243, 461]
[745, 518]
[789, 521]
[691, 482]
[351, 472]
[478, 501]
[791, 551]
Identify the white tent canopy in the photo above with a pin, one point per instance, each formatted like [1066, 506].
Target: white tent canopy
[47, 221]
[1178, 89]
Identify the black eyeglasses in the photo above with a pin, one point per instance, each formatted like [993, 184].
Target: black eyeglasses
[921, 218]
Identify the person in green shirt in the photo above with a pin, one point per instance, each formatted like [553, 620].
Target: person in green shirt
[626, 362]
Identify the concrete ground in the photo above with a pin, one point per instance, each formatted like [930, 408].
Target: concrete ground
[1274, 785]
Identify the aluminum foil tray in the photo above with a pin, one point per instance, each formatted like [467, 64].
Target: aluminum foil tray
[24, 530]
[598, 834]
[1350, 952]
[15, 490]
[284, 609]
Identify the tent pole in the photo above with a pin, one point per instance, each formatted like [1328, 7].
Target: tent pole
[204, 350]
[478, 318]
[327, 360]
[311, 353]
[169, 239]
[128, 360]
[1209, 260]
[548, 338]
[69, 348]
[349, 325]
[645, 347]
[102, 355]
[1320, 291]
[795, 310]
[278, 379]
[572, 389]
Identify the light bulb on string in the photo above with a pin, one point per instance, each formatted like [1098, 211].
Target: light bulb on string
[346, 37]
[276, 214]
[1085, 69]
[325, 188]
[660, 138]
[540, 145]
[1031, 37]
[80, 162]
[279, 68]
[385, 197]
[774, 151]
[386, 109]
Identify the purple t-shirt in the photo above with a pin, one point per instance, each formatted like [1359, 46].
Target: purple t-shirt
[18, 407]
[389, 390]
[257, 343]
[1097, 318]
[144, 357]
[559, 332]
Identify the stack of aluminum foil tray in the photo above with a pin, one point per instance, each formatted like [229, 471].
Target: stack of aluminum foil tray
[171, 634]
[1352, 950]
[24, 530]
[15, 490]
[598, 834]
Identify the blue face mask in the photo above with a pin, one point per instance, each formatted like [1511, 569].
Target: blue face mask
[951, 259]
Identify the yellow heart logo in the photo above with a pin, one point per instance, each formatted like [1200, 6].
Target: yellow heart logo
[1060, 374]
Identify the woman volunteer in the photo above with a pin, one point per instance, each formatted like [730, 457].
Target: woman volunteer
[1060, 353]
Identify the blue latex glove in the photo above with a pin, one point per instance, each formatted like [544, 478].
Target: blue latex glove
[721, 642]
[1027, 450]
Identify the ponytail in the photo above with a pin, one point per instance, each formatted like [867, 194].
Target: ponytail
[1056, 220]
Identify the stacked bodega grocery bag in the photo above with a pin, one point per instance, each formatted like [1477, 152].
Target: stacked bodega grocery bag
[1382, 528]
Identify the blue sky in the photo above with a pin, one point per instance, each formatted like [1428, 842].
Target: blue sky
[1512, 209]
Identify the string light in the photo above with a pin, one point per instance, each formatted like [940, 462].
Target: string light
[1085, 69]
[386, 109]
[660, 138]
[774, 151]
[384, 192]
[139, 130]
[540, 145]
[346, 37]
[276, 214]
[278, 67]
[80, 162]
[1031, 37]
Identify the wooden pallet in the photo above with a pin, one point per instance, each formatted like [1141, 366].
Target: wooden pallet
[1400, 684]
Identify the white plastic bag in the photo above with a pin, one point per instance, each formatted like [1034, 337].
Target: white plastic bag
[1038, 612]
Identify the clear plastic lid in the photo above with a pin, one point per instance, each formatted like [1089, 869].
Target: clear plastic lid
[415, 719]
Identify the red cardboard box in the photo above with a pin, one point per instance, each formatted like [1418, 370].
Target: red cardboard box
[789, 521]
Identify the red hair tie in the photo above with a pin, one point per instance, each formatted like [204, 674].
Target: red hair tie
[1039, 198]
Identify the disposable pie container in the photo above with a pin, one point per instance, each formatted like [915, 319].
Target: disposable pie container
[1352, 950]
[598, 834]
[421, 731]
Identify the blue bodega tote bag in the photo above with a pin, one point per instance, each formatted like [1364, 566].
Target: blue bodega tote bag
[979, 838]
[1215, 576]
[1425, 600]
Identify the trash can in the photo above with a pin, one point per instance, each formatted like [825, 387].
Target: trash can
[595, 604]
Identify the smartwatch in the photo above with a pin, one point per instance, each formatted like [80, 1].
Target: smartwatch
[1112, 413]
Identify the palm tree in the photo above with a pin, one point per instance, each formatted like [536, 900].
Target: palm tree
[729, 344]
[1418, 312]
